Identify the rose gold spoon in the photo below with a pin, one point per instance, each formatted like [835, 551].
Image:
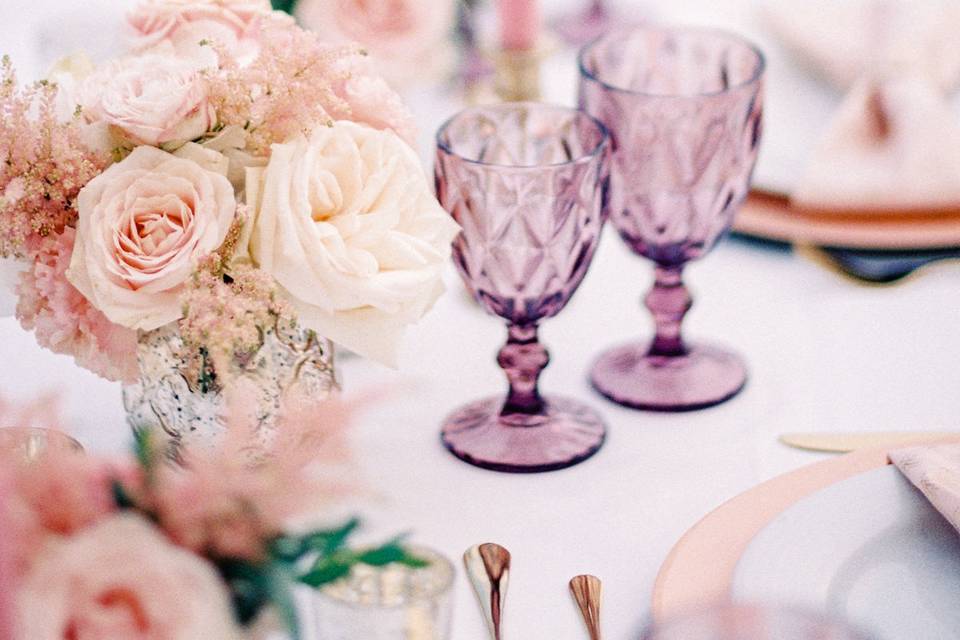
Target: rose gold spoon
[488, 567]
[588, 591]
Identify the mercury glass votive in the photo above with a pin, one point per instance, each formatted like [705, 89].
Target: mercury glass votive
[395, 602]
[30, 443]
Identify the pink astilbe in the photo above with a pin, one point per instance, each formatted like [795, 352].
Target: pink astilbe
[370, 100]
[218, 504]
[43, 164]
[227, 311]
[64, 321]
[298, 83]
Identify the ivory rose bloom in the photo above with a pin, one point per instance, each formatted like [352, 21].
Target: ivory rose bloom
[233, 24]
[346, 223]
[121, 579]
[155, 99]
[143, 223]
[407, 38]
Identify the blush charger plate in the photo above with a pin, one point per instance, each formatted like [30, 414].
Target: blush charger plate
[769, 216]
[700, 567]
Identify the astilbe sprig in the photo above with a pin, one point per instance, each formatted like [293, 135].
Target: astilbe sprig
[288, 89]
[43, 163]
[229, 305]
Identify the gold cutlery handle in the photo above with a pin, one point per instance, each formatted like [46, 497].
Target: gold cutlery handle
[488, 567]
[587, 592]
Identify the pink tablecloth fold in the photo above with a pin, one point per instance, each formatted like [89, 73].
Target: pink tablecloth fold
[935, 470]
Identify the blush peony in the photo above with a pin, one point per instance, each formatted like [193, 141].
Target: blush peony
[155, 99]
[143, 224]
[346, 223]
[121, 579]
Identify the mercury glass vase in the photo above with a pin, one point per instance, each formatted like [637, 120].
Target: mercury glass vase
[181, 398]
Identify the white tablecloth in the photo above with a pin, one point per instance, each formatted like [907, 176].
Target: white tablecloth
[824, 354]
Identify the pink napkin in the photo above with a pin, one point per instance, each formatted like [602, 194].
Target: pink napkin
[894, 143]
[935, 470]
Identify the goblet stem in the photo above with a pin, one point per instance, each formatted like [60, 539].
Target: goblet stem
[669, 302]
[522, 359]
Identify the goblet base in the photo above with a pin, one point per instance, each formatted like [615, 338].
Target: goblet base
[567, 432]
[703, 377]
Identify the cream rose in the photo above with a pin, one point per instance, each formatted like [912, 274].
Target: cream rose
[408, 38]
[233, 24]
[143, 224]
[346, 223]
[155, 99]
[122, 579]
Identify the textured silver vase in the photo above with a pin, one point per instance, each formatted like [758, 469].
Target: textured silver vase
[182, 399]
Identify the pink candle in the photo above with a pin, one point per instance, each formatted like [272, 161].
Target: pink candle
[519, 24]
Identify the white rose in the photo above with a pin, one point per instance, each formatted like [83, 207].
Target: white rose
[346, 223]
[143, 224]
[154, 99]
[69, 74]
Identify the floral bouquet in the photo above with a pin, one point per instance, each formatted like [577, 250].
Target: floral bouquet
[219, 204]
[144, 548]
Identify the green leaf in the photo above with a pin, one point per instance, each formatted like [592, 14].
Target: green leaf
[327, 571]
[284, 5]
[329, 542]
[143, 448]
[121, 497]
[382, 556]
[248, 588]
[279, 584]
[287, 548]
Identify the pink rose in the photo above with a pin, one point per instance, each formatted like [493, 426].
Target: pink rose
[407, 38]
[233, 24]
[143, 224]
[154, 99]
[122, 580]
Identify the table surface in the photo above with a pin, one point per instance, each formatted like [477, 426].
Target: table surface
[824, 354]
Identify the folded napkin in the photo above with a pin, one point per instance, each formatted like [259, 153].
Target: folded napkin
[935, 471]
[893, 143]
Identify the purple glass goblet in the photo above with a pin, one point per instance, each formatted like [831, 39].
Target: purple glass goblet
[528, 184]
[684, 111]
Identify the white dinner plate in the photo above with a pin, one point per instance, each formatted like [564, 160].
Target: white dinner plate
[869, 549]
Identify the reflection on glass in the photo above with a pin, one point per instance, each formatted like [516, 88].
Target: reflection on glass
[30, 443]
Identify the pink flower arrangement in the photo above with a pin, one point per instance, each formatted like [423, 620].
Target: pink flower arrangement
[121, 184]
[64, 321]
[145, 547]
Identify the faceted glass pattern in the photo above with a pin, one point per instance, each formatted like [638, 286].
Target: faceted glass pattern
[528, 184]
[684, 110]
